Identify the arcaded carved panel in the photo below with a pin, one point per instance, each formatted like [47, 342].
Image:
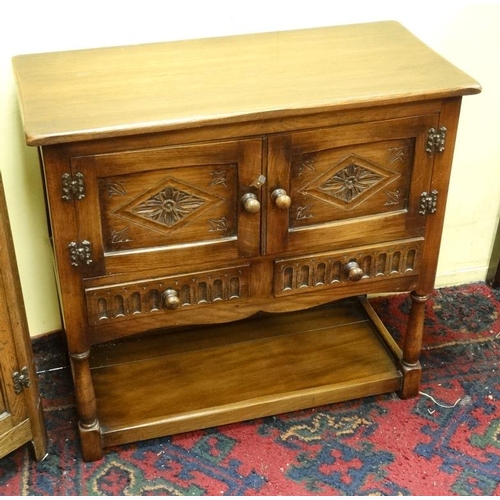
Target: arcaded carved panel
[140, 298]
[327, 270]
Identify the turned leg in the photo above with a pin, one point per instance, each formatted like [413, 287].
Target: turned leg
[88, 424]
[410, 364]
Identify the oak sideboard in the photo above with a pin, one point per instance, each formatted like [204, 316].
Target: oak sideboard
[221, 208]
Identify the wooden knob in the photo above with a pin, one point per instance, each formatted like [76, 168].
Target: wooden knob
[171, 299]
[354, 271]
[250, 203]
[281, 199]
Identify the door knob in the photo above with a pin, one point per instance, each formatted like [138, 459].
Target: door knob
[250, 203]
[171, 299]
[281, 199]
[353, 271]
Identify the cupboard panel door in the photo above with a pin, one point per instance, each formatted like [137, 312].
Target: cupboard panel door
[349, 184]
[12, 405]
[151, 208]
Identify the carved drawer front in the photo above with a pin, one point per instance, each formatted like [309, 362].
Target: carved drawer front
[181, 202]
[349, 183]
[378, 262]
[166, 295]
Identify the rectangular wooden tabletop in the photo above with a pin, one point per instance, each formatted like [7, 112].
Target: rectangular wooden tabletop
[117, 91]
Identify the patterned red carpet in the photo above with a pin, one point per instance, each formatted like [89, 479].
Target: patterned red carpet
[375, 446]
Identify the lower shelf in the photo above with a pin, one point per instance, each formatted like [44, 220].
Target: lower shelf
[180, 381]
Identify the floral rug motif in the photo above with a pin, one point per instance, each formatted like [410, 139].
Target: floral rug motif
[445, 442]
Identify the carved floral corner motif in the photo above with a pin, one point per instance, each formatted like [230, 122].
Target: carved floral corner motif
[306, 166]
[399, 153]
[303, 212]
[116, 189]
[219, 178]
[393, 197]
[120, 236]
[218, 224]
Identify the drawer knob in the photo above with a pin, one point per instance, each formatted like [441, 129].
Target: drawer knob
[353, 271]
[281, 199]
[250, 203]
[171, 299]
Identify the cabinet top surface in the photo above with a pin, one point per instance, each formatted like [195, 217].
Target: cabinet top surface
[97, 93]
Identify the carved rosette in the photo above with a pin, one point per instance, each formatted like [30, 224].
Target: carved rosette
[169, 206]
[350, 182]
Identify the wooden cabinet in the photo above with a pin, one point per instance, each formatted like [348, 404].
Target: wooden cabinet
[220, 209]
[21, 414]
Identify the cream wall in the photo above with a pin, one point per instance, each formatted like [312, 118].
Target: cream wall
[465, 33]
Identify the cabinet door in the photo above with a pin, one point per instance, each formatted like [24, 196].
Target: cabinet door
[155, 208]
[352, 184]
[12, 406]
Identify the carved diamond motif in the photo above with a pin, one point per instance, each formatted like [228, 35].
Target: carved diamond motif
[169, 206]
[349, 182]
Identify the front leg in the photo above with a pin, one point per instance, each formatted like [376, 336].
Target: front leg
[410, 364]
[88, 424]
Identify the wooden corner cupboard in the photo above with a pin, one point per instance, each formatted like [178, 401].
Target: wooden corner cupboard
[220, 209]
[21, 414]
